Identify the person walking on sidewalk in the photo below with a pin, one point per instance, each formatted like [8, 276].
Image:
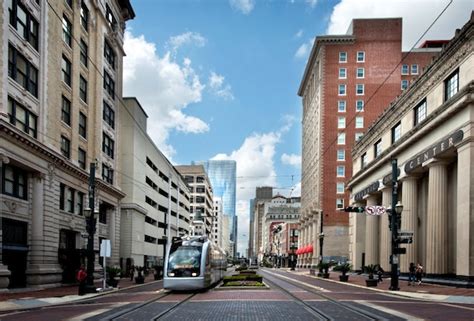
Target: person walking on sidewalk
[132, 272]
[411, 273]
[81, 278]
[419, 273]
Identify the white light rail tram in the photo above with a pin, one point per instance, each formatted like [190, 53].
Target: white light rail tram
[192, 263]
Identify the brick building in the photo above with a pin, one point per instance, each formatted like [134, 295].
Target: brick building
[348, 81]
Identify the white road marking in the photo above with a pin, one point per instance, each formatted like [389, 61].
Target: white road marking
[299, 282]
[389, 311]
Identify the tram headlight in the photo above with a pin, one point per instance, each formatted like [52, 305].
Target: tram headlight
[194, 274]
[171, 274]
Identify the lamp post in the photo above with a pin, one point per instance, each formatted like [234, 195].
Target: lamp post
[396, 211]
[321, 238]
[90, 227]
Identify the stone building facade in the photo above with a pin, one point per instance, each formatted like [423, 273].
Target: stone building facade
[429, 130]
[157, 202]
[62, 68]
[341, 96]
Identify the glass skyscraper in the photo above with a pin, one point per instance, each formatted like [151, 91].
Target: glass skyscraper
[222, 174]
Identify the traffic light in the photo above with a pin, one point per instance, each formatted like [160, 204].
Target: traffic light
[355, 209]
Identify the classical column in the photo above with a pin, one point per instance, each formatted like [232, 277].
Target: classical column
[37, 219]
[409, 220]
[372, 235]
[385, 234]
[437, 219]
[465, 205]
[314, 242]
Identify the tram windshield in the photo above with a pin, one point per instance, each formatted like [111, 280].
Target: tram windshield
[184, 261]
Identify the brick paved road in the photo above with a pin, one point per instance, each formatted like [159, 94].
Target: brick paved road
[307, 298]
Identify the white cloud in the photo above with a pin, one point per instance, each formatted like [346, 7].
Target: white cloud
[293, 160]
[255, 167]
[219, 88]
[299, 34]
[304, 50]
[164, 87]
[417, 16]
[311, 3]
[187, 38]
[244, 6]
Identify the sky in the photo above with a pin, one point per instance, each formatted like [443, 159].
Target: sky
[219, 78]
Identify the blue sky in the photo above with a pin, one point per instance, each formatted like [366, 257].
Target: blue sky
[219, 78]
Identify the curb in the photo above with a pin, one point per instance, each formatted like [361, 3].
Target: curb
[78, 300]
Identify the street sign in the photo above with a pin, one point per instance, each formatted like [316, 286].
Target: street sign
[393, 259]
[375, 210]
[400, 250]
[406, 239]
[405, 233]
[105, 250]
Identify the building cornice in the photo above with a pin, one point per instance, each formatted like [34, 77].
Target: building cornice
[30, 144]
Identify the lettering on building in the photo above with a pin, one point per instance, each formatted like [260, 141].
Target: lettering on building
[369, 189]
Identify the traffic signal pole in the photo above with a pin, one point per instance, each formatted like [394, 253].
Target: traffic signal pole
[394, 228]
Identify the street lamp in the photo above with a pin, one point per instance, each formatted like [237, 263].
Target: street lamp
[90, 228]
[321, 238]
[396, 210]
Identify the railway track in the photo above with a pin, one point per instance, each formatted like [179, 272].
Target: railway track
[276, 281]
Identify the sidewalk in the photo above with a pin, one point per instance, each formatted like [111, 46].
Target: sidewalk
[24, 298]
[426, 291]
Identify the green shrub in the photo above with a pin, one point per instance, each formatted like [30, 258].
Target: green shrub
[343, 268]
[244, 283]
[244, 277]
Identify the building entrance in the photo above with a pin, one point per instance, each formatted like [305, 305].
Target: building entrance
[69, 257]
[15, 250]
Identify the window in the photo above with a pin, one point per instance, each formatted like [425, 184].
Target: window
[22, 71]
[363, 160]
[414, 69]
[70, 200]
[404, 84]
[339, 203]
[67, 31]
[341, 154]
[358, 136]
[359, 122]
[62, 189]
[81, 158]
[109, 85]
[360, 73]
[360, 56]
[66, 111]
[420, 112]
[404, 69]
[82, 125]
[359, 89]
[341, 106]
[340, 188]
[451, 85]
[107, 174]
[341, 139]
[103, 209]
[69, 3]
[110, 17]
[359, 105]
[23, 22]
[84, 15]
[342, 73]
[341, 171]
[79, 203]
[22, 118]
[14, 181]
[108, 115]
[83, 53]
[83, 89]
[65, 146]
[396, 132]
[342, 90]
[66, 71]
[109, 54]
[108, 145]
[378, 148]
[343, 57]
[341, 122]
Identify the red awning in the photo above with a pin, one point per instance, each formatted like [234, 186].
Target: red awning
[310, 249]
[305, 249]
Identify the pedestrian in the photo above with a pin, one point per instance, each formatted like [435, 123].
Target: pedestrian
[380, 272]
[411, 273]
[419, 273]
[81, 278]
[132, 272]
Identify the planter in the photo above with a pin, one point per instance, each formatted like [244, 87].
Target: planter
[371, 282]
[325, 275]
[320, 274]
[343, 278]
[113, 282]
[312, 272]
[139, 279]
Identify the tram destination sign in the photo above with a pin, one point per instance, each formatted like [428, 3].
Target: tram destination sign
[434, 150]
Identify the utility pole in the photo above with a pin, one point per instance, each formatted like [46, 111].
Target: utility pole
[90, 227]
[393, 226]
[321, 238]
